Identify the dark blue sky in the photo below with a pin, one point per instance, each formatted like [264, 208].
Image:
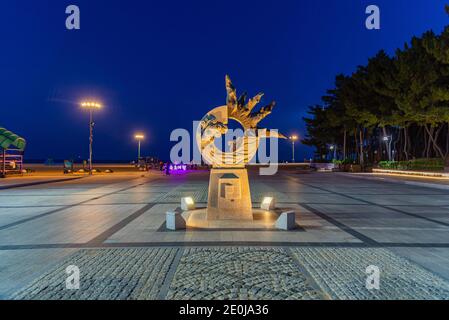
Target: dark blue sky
[158, 65]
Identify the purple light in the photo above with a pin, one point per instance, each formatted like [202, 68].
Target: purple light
[178, 167]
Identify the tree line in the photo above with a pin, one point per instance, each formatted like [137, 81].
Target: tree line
[393, 108]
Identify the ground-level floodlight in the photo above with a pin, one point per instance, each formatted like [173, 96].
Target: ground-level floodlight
[268, 203]
[187, 203]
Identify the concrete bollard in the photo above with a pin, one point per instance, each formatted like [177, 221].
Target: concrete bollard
[286, 221]
[174, 220]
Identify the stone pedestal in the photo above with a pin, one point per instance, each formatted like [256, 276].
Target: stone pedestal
[229, 195]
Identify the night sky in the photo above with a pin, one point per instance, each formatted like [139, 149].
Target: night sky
[158, 65]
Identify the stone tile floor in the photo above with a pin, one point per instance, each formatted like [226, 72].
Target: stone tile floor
[112, 228]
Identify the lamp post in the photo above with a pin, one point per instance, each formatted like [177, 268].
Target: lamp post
[293, 139]
[387, 140]
[333, 149]
[139, 137]
[91, 106]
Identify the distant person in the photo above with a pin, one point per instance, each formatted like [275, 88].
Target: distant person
[167, 169]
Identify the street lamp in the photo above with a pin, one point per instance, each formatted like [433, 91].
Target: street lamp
[387, 140]
[334, 149]
[139, 137]
[293, 139]
[91, 106]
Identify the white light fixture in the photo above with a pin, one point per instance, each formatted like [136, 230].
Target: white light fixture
[187, 203]
[268, 203]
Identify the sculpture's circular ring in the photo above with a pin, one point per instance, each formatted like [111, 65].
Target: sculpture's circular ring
[212, 126]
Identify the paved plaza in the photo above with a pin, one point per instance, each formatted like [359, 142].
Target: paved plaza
[113, 229]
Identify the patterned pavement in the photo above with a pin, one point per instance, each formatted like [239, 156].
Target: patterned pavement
[106, 275]
[113, 231]
[235, 273]
[341, 272]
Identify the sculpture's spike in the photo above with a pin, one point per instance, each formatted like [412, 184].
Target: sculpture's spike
[267, 109]
[242, 100]
[254, 101]
[262, 113]
[231, 99]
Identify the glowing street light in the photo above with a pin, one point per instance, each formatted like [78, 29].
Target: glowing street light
[139, 137]
[333, 148]
[91, 106]
[293, 139]
[388, 140]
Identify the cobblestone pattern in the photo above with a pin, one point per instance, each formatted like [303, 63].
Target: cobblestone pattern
[341, 272]
[106, 274]
[239, 273]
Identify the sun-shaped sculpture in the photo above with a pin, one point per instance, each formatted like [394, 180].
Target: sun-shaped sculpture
[215, 123]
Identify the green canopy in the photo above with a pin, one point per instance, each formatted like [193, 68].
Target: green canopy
[8, 139]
